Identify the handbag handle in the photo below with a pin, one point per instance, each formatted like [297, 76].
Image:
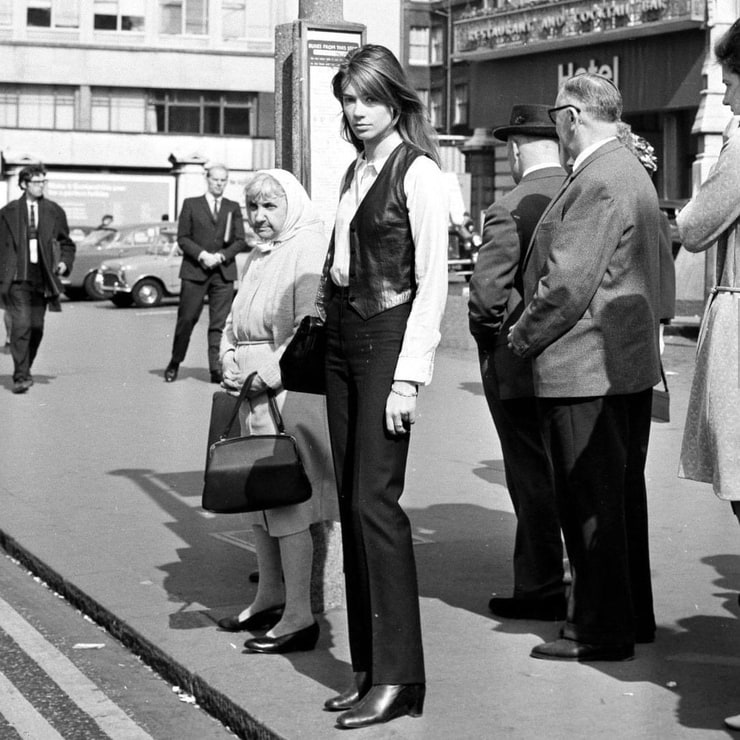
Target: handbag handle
[277, 417]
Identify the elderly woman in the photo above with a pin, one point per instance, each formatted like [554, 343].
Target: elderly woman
[277, 289]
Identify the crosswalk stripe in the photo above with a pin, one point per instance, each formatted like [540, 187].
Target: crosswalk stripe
[22, 715]
[88, 697]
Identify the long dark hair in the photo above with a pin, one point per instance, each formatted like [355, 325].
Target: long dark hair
[374, 71]
[727, 49]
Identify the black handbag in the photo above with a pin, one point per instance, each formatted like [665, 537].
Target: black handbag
[259, 471]
[302, 362]
[661, 400]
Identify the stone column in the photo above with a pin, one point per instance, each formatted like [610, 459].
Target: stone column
[188, 171]
[480, 162]
[712, 116]
[327, 582]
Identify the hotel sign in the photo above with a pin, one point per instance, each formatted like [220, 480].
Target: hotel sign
[594, 66]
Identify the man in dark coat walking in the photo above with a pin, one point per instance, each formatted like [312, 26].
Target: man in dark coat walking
[35, 250]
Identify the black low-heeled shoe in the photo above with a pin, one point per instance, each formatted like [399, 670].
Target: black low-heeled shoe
[304, 639]
[347, 699]
[383, 703]
[264, 620]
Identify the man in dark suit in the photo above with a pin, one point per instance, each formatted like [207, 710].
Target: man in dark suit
[210, 232]
[495, 304]
[590, 323]
[35, 249]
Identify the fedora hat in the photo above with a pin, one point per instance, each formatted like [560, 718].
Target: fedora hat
[528, 120]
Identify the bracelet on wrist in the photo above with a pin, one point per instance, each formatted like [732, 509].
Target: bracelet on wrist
[405, 395]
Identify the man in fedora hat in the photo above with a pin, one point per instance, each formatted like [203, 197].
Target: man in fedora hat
[495, 304]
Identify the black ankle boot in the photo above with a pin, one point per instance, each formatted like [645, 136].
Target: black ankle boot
[347, 699]
[383, 703]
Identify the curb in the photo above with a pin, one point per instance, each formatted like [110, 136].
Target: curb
[211, 701]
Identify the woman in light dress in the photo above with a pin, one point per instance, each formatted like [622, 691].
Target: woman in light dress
[278, 288]
[711, 442]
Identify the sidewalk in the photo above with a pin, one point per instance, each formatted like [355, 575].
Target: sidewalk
[100, 482]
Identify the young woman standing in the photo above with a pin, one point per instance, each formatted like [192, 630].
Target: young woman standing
[383, 292]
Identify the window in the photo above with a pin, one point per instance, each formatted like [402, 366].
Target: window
[37, 106]
[119, 109]
[119, 15]
[234, 18]
[60, 14]
[188, 112]
[184, 17]
[419, 45]
[460, 97]
[6, 12]
[437, 47]
[436, 108]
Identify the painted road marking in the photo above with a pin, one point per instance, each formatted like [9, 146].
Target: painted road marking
[22, 715]
[88, 697]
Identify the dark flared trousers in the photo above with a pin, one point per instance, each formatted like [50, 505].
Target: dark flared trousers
[379, 567]
[599, 447]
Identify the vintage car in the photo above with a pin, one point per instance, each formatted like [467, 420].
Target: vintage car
[462, 249]
[144, 280]
[101, 244]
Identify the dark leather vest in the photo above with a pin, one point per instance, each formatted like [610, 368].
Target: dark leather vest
[381, 265]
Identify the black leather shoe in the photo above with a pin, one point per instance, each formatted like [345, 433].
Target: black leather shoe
[264, 620]
[216, 376]
[170, 373]
[347, 699]
[22, 386]
[383, 703]
[304, 639]
[563, 649]
[549, 609]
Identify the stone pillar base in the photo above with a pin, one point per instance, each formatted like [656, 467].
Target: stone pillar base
[327, 578]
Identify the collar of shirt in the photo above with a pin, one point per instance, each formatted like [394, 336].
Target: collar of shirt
[535, 167]
[212, 200]
[589, 150]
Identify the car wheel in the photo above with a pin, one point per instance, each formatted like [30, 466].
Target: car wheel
[147, 293]
[91, 290]
[122, 300]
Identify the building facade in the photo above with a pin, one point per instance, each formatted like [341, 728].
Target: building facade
[112, 94]
[503, 52]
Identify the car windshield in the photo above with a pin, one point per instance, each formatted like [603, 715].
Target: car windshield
[163, 246]
[97, 239]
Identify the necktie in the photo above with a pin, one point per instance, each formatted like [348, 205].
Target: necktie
[215, 209]
[32, 240]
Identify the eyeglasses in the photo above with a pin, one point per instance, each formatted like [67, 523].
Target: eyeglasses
[552, 112]
[37, 182]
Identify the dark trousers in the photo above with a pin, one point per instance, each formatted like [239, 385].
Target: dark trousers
[220, 294]
[538, 546]
[598, 447]
[379, 567]
[27, 307]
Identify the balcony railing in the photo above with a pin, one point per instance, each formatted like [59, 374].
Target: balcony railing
[533, 22]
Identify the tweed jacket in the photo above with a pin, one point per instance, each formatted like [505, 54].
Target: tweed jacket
[54, 242]
[591, 282]
[197, 231]
[496, 287]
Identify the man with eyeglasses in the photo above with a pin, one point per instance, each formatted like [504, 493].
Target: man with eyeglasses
[591, 285]
[35, 250]
[210, 232]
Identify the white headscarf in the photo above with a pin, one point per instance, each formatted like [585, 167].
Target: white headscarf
[301, 216]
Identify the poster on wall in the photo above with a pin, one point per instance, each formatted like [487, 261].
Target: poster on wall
[130, 199]
[330, 154]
